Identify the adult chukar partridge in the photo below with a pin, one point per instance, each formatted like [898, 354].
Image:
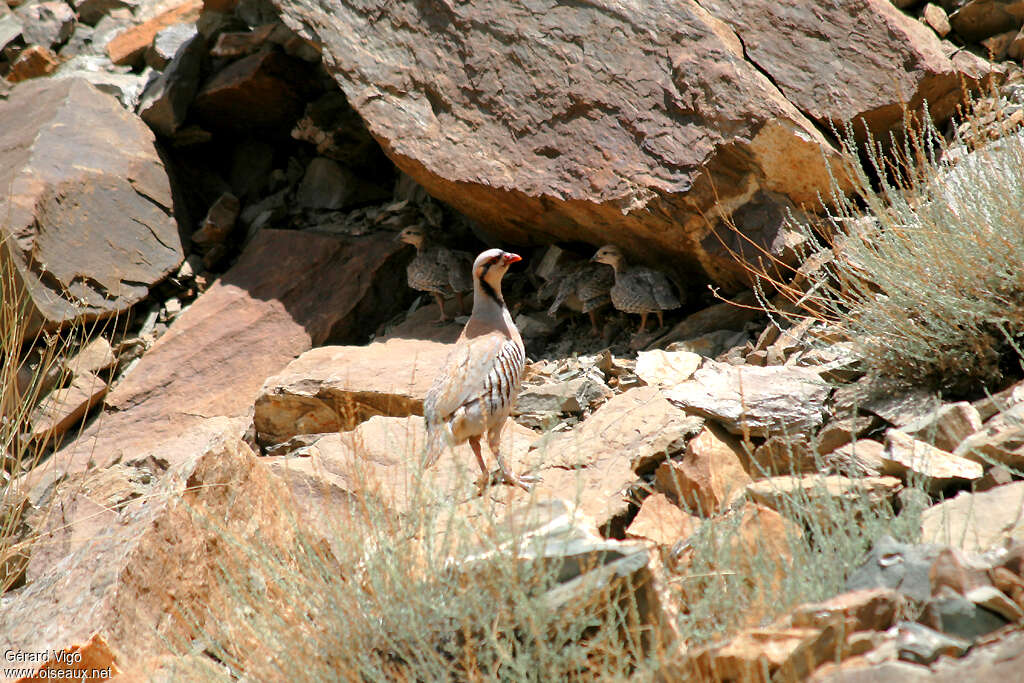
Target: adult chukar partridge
[637, 289]
[473, 394]
[437, 269]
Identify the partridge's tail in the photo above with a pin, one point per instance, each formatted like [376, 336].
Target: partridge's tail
[434, 446]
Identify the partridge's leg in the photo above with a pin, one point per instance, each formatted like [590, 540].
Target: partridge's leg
[507, 475]
[661, 320]
[593, 323]
[440, 304]
[643, 322]
[485, 477]
[461, 301]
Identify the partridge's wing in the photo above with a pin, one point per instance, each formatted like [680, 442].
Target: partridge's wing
[565, 288]
[459, 267]
[659, 287]
[595, 281]
[463, 375]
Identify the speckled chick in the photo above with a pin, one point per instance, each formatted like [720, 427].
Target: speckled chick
[590, 283]
[473, 394]
[437, 269]
[637, 289]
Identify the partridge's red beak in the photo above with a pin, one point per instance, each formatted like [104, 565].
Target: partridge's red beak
[512, 258]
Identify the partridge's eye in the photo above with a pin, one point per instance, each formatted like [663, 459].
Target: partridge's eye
[494, 260]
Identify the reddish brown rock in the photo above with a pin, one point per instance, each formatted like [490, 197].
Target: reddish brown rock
[832, 77]
[129, 46]
[65, 407]
[263, 92]
[662, 521]
[759, 656]
[872, 609]
[600, 137]
[88, 198]
[638, 426]
[33, 62]
[381, 459]
[89, 661]
[625, 123]
[710, 477]
[334, 388]
[288, 291]
[976, 20]
[156, 560]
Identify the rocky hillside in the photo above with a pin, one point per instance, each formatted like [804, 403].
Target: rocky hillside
[200, 210]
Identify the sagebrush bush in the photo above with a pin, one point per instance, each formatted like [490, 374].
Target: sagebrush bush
[926, 270]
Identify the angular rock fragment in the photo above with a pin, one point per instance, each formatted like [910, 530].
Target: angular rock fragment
[638, 427]
[129, 46]
[784, 401]
[528, 117]
[33, 62]
[47, 24]
[88, 200]
[821, 492]
[166, 100]
[662, 522]
[258, 94]
[335, 388]
[975, 522]
[710, 476]
[907, 457]
[998, 441]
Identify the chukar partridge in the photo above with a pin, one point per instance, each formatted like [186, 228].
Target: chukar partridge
[590, 283]
[637, 289]
[474, 392]
[437, 269]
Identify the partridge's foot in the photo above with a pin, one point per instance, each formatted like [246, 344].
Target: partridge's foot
[525, 481]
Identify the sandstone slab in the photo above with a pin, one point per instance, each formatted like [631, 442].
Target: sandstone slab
[88, 201]
[245, 327]
[797, 46]
[532, 101]
[129, 46]
[710, 476]
[999, 441]
[756, 401]
[975, 522]
[60, 410]
[158, 559]
[662, 522]
[638, 426]
[821, 492]
[904, 455]
[380, 459]
[334, 388]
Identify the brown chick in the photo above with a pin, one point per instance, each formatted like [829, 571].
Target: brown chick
[637, 289]
[437, 269]
[590, 283]
[473, 394]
